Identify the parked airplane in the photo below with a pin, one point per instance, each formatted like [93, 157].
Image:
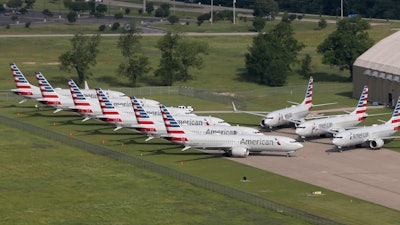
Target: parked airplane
[114, 115]
[235, 145]
[373, 135]
[294, 114]
[334, 124]
[127, 119]
[50, 97]
[156, 128]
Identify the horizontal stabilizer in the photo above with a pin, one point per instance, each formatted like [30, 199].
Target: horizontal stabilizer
[86, 119]
[331, 103]
[186, 148]
[294, 103]
[149, 138]
[57, 110]
[118, 128]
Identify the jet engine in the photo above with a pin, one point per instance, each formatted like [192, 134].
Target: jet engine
[262, 123]
[376, 144]
[240, 152]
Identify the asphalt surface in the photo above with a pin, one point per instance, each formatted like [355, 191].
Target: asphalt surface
[371, 175]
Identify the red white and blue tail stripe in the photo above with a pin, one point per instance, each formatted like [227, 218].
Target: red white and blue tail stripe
[143, 119]
[48, 93]
[80, 101]
[308, 98]
[174, 130]
[106, 106]
[24, 88]
[395, 120]
[361, 109]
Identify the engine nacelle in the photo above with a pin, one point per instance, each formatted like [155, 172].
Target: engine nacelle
[262, 123]
[240, 152]
[376, 144]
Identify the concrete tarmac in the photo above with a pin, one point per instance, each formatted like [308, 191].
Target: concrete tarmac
[371, 175]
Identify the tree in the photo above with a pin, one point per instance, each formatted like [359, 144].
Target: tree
[137, 64]
[189, 53]
[101, 8]
[169, 62]
[173, 19]
[149, 8]
[306, 66]
[178, 55]
[71, 17]
[343, 46]
[265, 8]
[322, 23]
[14, 4]
[163, 10]
[258, 23]
[83, 54]
[269, 58]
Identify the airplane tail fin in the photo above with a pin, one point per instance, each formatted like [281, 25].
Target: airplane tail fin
[48, 93]
[19, 78]
[106, 106]
[80, 101]
[24, 88]
[110, 113]
[143, 119]
[175, 131]
[308, 98]
[395, 120]
[361, 109]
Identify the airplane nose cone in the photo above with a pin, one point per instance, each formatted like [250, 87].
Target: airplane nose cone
[297, 146]
[300, 131]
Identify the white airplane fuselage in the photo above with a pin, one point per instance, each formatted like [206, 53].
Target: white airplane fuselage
[241, 145]
[283, 116]
[364, 134]
[322, 126]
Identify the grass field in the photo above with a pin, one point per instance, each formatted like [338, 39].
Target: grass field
[217, 169]
[45, 182]
[55, 184]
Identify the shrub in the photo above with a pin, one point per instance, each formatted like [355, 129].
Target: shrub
[119, 15]
[115, 26]
[102, 27]
[28, 24]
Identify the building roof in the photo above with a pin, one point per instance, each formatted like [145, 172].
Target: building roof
[384, 56]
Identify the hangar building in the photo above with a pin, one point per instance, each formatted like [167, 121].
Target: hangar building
[379, 68]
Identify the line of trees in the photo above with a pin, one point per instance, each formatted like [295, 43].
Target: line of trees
[383, 9]
[268, 62]
[178, 55]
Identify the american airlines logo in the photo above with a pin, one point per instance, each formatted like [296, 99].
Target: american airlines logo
[256, 142]
[191, 122]
[222, 132]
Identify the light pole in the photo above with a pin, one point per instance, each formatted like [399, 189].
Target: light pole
[341, 9]
[144, 6]
[234, 19]
[212, 17]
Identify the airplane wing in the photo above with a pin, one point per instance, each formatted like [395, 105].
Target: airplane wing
[385, 138]
[331, 103]
[247, 112]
